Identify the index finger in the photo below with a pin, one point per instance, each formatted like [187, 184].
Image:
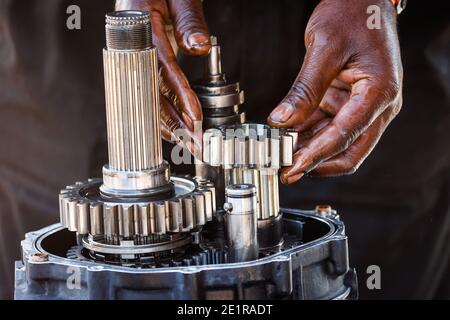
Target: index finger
[367, 102]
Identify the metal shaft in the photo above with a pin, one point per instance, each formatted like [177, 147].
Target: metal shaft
[136, 165]
[132, 99]
[241, 222]
[214, 59]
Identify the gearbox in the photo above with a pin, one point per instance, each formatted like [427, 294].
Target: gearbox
[141, 232]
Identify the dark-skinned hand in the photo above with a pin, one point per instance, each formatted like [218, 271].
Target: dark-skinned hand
[347, 92]
[180, 107]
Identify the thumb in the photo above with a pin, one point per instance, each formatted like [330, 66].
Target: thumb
[191, 31]
[319, 68]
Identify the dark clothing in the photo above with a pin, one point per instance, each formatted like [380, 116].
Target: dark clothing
[396, 207]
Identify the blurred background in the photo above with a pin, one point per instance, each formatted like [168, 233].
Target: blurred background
[396, 207]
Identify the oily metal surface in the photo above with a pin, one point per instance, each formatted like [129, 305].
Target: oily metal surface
[85, 210]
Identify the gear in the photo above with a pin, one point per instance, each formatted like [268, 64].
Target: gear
[205, 255]
[249, 145]
[84, 209]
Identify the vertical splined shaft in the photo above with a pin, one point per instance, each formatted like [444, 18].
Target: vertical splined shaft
[132, 111]
[132, 96]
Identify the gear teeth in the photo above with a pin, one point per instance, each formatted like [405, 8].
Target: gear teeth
[288, 143]
[249, 149]
[72, 214]
[83, 222]
[228, 152]
[274, 145]
[110, 222]
[62, 209]
[133, 221]
[125, 216]
[160, 218]
[207, 194]
[96, 219]
[173, 215]
[188, 208]
[200, 214]
[142, 215]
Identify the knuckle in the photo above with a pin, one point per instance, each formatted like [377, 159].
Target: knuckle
[302, 92]
[344, 136]
[189, 17]
[392, 88]
[389, 83]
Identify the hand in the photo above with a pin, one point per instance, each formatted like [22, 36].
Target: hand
[180, 107]
[348, 89]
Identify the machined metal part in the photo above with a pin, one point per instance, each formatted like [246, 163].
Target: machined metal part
[129, 249]
[132, 107]
[219, 98]
[266, 183]
[221, 102]
[251, 154]
[128, 30]
[241, 222]
[249, 146]
[315, 268]
[204, 255]
[85, 210]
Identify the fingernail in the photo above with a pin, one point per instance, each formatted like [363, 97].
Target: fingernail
[282, 113]
[292, 179]
[196, 40]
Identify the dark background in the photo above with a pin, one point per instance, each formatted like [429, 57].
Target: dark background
[52, 129]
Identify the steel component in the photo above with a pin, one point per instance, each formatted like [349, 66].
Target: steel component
[241, 222]
[220, 99]
[83, 209]
[221, 102]
[128, 30]
[251, 154]
[249, 146]
[130, 249]
[314, 266]
[132, 107]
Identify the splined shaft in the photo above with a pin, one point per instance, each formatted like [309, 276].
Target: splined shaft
[132, 106]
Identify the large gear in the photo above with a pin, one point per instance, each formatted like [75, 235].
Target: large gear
[85, 210]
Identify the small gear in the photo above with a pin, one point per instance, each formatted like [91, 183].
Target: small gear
[249, 145]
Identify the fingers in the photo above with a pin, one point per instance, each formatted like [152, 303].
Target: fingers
[191, 31]
[349, 161]
[336, 96]
[367, 102]
[311, 121]
[333, 100]
[171, 73]
[320, 66]
[305, 137]
[174, 130]
[170, 121]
